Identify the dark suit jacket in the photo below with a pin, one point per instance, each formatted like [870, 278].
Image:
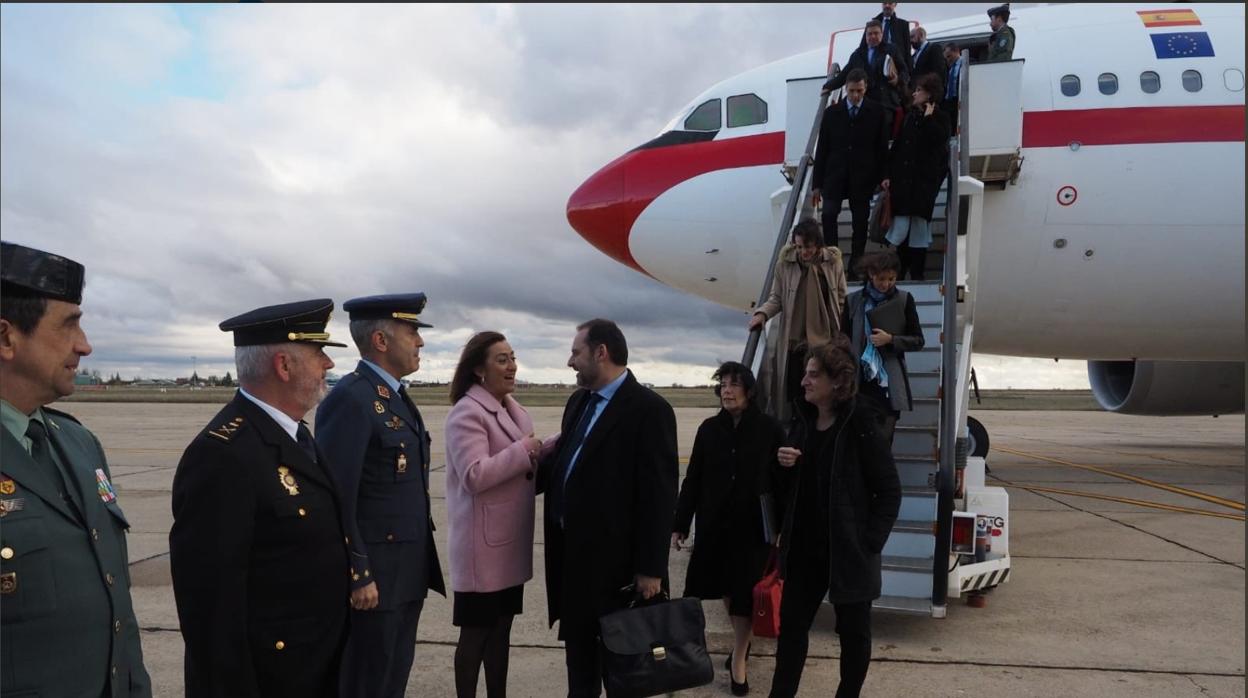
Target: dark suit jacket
[378, 448]
[851, 154]
[619, 503]
[897, 34]
[932, 60]
[65, 591]
[259, 561]
[878, 87]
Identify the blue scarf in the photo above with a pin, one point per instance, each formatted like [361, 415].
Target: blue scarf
[872, 362]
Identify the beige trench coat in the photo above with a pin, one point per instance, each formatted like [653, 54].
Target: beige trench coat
[783, 295]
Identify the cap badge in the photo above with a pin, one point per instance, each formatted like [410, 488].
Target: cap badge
[288, 480]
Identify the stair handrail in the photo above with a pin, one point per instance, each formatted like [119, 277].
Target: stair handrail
[786, 222]
[947, 442]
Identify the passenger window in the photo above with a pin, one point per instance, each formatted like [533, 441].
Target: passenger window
[705, 118]
[1150, 82]
[1192, 81]
[746, 110]
[1107, 83]
[1070, 85]
[1234, 79]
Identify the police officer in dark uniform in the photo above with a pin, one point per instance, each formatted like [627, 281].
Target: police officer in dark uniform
[259, 552]
[376, 441]
[1001, 45]
[67, 625]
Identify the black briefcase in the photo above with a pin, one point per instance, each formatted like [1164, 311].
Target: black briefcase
[652, 649]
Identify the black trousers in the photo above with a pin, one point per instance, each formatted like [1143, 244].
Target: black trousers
[875, 399]
[805, 588]
[913, 260]
[581, 654]
[860, 211]
[380, 649]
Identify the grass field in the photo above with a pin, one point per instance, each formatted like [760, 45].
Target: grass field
[552, 395]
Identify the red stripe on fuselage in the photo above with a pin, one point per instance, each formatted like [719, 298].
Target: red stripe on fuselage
[604, 208]
[1134, 125]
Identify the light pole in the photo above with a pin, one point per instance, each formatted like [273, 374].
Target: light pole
[194, 370]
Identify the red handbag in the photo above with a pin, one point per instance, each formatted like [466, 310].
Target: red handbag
[767, 594]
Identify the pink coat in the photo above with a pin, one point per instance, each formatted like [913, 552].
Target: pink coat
[489, 498]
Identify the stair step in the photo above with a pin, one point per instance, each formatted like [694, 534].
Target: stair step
[906, 526]
[926, 359]
[914, 441]
[917, 504]
[926, 413]
[904, 604]
[907, 564]
[910, 544]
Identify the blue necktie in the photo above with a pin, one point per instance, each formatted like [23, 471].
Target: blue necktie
[952, 89]
[563, 469]
[870, 57]
[853, 112]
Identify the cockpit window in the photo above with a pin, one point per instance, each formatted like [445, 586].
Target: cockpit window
[746, 110]
[705, 118]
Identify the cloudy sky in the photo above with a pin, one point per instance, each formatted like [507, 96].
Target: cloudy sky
[206, 160]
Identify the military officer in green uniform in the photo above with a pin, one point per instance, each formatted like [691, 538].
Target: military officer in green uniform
[259, 552]
[1001, 45]
[67, 626]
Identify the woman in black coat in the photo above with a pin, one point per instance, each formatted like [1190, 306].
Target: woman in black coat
[843, 495]
[729, 470]
[917, 164]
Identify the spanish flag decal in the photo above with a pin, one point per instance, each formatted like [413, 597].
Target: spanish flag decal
[1168, 18]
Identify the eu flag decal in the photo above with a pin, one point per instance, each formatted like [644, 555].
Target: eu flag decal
[1182, 45]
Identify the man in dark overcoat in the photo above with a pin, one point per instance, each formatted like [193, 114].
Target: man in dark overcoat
[928, 58]
[67, 624]
[849, 162]
[894, 30]
[378, 447]
[610, 498]
[873, 59]
[258, 549]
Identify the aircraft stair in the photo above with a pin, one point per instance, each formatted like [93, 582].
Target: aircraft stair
[930, 442]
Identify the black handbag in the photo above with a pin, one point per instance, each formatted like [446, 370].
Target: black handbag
[652, 649]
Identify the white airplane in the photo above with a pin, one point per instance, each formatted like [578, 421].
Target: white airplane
[1117, 238]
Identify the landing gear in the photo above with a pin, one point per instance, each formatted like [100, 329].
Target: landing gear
[977, 443]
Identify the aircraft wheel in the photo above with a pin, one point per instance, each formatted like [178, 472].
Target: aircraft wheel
[978, 440]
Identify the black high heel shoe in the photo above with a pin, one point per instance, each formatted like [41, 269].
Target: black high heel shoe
[738, 689]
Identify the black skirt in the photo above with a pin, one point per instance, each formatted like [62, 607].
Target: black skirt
[475, 609]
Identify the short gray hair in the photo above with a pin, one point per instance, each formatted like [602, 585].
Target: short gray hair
[362, 332]
[255, 362]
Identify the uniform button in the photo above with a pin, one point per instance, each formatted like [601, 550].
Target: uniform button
[116, 626]
[108, 577]
[280, 645]
[389, 536]
[303, 512]
[347, 540]
[355, 577]
[365, 573]
[114, 670]
[402, 444]
[6, 553]
[95, 534]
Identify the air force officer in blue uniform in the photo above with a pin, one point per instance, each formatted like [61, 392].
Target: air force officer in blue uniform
[376, 441]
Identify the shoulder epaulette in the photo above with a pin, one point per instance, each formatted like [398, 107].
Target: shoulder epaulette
[226, 431]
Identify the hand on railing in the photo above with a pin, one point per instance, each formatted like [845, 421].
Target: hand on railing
[814, 198]
[757, 320]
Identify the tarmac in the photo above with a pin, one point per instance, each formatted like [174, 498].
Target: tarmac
[1107, 596]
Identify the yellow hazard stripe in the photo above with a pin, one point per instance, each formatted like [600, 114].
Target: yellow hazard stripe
[1128, 500]
[1212, 499]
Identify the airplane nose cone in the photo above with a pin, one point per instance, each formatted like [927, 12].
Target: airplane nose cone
[601, 211]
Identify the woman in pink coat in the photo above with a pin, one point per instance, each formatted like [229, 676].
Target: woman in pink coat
[491, 454]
